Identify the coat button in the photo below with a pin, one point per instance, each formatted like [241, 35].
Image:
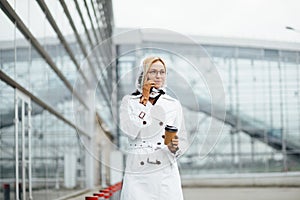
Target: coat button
[142, 163]
[144, 122]
[161, 123]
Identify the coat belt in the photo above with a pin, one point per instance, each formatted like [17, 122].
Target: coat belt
[140, 145]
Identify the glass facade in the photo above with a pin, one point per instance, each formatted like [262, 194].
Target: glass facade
[261, 86]
[47, 48]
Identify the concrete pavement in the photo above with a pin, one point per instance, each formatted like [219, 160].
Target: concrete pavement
[242, 193]
[229, 193]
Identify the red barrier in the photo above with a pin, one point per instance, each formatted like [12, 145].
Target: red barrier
[111, 191]
[101, 194]
[106, 191]
[107, 195]
[91, 198]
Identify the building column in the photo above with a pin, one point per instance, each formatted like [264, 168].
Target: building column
[90, 143]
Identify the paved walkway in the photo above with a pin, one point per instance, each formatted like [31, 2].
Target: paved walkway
[199, 193]
[235, 193]
[257, 193]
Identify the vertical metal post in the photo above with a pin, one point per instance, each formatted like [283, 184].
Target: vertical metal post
[232, 146]
[16, 112]
[265, 105]
[16, 145]
[254, 108]
[253, 91]
[102, 166]
[25, 100]
[232, 132]
[23, 152]
[286, 112]
[90, 142]
[115, 95]
[270, 102]
[283, 136]
[15, 45]
[238, 120]
[29, 112]
[298, 93]
[252, 151]
[117, 71]
[29, 151]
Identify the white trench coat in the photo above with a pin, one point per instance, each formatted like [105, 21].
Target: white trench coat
[151, 171]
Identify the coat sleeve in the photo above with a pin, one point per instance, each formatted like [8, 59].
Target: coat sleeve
[182, 133]
[133, 116]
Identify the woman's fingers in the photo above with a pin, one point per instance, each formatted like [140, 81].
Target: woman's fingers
[150, 82]
[174, 141]
[146, 91]
[173, 145]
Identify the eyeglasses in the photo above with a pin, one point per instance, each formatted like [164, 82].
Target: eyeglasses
[155, 72]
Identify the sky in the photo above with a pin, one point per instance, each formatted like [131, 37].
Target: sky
[254, 19]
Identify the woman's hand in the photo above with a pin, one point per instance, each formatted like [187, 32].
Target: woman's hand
[146, 91]
[173, 145]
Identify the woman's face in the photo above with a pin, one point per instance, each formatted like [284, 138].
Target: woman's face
[157, 73]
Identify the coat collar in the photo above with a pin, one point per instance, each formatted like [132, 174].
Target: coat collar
[165, 96]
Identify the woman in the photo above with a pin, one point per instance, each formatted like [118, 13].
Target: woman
[151, 167]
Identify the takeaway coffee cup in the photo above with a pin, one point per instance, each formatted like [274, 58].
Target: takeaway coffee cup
[170, 132]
